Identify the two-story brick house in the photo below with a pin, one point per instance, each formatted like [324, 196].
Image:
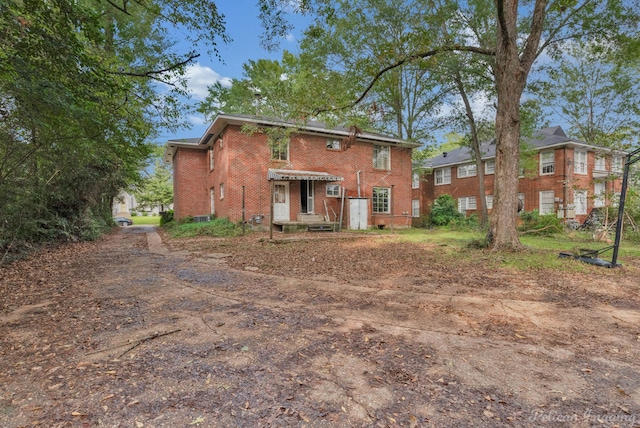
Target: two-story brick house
[311, 173]
[564, 176]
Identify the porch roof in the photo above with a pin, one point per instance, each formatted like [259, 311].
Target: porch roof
[294, 175]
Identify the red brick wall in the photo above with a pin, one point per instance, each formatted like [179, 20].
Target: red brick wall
[190, 194]
[244, 160]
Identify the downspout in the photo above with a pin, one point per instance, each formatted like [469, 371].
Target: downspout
[358, 178]
[566, 184]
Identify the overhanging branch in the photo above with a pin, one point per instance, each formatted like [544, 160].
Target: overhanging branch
[153, 73]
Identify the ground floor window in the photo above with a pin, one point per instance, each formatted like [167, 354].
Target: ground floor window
[467, 203]
[547, 202]
[489, 199]
[580, 201]
[415, 208]
[381, 197]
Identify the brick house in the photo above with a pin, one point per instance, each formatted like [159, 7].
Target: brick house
[310, 174]
[562, 176]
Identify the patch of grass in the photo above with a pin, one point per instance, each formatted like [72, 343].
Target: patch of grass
[152, 220]
[219, 227]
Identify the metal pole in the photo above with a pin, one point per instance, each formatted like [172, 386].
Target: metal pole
[243, 221]
[623, 194]
[271, 213]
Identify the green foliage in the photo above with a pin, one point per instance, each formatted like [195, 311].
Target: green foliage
[445, 211]
[156, 189]
[166, 217]
[545, 225]
[218, 227]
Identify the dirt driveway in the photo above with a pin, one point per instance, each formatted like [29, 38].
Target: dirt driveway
[331, 331]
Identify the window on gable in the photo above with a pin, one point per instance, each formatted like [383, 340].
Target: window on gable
[381, 199]
[415, 181]
[468, 170]
[490, 166]
[580, 162]
[442, 176]
[333, 144]
[382, 157]
[547, 160]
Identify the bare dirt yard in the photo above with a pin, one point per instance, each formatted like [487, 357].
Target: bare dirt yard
[331, 330]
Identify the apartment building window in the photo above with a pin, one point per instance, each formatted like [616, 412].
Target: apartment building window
[489, 200]
[580, 162]
[547, 160]
[381, 157]
[600, 164]
[467, 204]
[468, 170]
[521, 201]
[333, 190]
[415, 181]
[211, 159]
[443, 176]
[490, 166]
[616, 164]
[599, 189]
[547, 202]
[381, 199]
[221, 191]
[580, 201]
[415, 208]
[333, 144]
[280, 151]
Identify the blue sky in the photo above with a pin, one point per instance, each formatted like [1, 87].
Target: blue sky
[244, 28]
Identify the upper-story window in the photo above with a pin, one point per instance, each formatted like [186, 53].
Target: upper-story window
[468, 170]
[415, 181]
[382, 157]
[616, 164]
[547, 160]
[211, 159]
[333, 144]
[442, 176]
[580, 162]
[490, 166]
[280, 151]
[600, 164]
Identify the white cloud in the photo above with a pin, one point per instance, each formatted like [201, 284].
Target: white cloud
[290, 37]
[197, 119]
[199, 77]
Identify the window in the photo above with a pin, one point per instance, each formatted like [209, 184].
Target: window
[547, 202]
[212, 197]
[546, 162]
[600, 164]
[415, 182]
[490, 166]
[333, 190]
[221, 191]
[381, 199]
[617, 164]
[599, 189]
[489, 199]
[333, 144]
[468, 170]
[467, 204]
[579, 162]
[280, 151]
[211, 160]
[520, 202]
[415, 208]
[580, 201]
[443, 176]
[381, 157]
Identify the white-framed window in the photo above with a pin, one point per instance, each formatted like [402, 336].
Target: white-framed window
[415, 208]
[382, 157]
[333, 190]
[220, 142]
[221, 190]
[211, 159]
[333, 144]
[521, 201]
[580, 201]
[521, 172]
[580, 161]
[600, 164]
[489, 199]
[490, 166]
[212, 199]
[280, 151]
[547, 160]
[467, 203]
[617, 164]
[381, 197]
[599, 189]
[442, 176]
[547, 202]
[415, 181]
[468, 170]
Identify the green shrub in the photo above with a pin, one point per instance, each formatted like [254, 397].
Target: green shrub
[134, 214]
[534, 223]
[166, 217]
[445, 210]
[218, 227]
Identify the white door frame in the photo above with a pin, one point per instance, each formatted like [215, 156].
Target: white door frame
[281, 210]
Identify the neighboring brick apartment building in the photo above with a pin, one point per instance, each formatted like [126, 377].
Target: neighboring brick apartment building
[569, 178]
[311, 173]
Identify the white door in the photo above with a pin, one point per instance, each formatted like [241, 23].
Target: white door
[598, 191]
[358, 213]
[281, 201]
